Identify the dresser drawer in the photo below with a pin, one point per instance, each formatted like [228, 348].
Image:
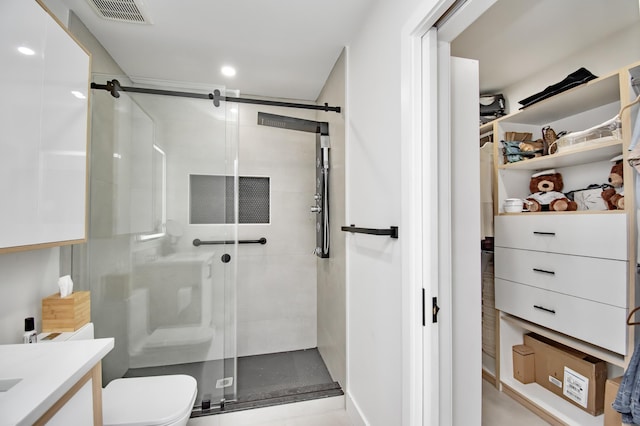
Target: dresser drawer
[600, 280]
[594, 235]
[597, 323]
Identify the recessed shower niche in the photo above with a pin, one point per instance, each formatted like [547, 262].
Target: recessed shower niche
[212, 199]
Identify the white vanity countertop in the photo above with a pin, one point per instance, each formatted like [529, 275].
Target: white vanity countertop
[47, 372]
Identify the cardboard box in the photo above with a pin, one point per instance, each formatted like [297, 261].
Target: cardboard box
[572, 375]
[523, 364]
[66, 313]
[611, 416]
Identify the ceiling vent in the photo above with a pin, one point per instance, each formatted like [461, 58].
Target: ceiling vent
[132, 11]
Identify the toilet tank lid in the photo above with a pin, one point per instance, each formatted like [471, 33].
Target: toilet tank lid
[150, 401]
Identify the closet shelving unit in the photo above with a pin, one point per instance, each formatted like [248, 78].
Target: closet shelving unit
[592, 253]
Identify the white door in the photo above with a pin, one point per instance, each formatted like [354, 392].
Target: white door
[466, 276]
[452, 347]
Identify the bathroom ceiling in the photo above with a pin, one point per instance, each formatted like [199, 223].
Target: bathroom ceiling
[286, 48]
[280, 48]
[515, 39]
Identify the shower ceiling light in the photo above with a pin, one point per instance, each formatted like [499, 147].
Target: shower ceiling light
[228, 71]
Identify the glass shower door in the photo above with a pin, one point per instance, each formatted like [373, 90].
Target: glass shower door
[160, 260]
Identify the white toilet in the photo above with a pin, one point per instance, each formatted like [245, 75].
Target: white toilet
[149, 401]
[143, 401]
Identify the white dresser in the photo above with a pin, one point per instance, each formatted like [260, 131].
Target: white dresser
[565, 272]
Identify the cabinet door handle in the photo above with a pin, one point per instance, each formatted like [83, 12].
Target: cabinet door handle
[551, 311]
[552, 234]
[543, 271]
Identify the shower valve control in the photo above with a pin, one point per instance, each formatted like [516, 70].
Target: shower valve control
[318, 207]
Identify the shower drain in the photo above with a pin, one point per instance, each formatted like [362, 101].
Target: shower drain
[224, 383]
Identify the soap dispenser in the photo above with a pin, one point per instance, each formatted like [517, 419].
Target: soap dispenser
[30, 335]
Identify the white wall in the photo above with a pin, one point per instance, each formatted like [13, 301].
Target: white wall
[374, 315]
[27, 277]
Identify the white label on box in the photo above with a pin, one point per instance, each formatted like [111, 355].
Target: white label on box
[555, 381]
[576, 387]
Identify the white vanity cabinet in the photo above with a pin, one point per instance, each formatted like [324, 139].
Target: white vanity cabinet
[57, 383]
[569, 276]
[44, 110]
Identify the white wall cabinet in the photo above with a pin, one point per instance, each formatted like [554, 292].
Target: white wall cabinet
[44, 116]
[567, 275]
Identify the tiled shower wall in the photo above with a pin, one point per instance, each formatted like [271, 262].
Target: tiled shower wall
[276, 286]
[276, 282]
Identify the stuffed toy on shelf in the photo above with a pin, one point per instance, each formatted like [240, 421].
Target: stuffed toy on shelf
[546, 193]
[614, 197]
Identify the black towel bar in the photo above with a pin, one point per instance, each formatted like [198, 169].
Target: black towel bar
[391, 232]
[198, 242]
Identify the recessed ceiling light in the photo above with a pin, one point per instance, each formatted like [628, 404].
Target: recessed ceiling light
[78, 94]
[228, 71]
[26, 51]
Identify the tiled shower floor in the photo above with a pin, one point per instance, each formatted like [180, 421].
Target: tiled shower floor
[263, 380]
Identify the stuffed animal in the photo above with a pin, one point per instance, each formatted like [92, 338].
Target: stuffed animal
[546, 193]
[614, 197]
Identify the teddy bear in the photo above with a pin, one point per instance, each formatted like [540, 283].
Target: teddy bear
[614, 197]
[546, 193]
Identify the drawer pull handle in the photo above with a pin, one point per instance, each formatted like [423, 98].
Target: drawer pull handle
[552, 234]
[551, 311]
[544, 272]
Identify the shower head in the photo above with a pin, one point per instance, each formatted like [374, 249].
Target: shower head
[289, 123]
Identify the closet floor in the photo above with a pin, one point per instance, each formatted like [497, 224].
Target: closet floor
[499, 409]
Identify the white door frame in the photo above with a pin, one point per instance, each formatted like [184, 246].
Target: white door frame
[421, 396]
[427, 352]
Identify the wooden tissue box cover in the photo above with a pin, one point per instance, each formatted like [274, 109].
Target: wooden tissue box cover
[67, 313]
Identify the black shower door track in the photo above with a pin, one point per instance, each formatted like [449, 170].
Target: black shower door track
[114, 87]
